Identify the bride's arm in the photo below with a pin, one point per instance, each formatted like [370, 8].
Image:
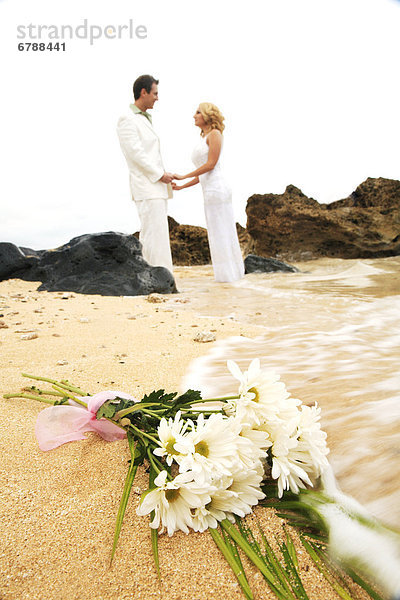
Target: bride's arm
[186, 185]
[214, 141]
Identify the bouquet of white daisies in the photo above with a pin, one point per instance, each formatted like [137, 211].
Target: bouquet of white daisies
[207, 459]
[211, 466]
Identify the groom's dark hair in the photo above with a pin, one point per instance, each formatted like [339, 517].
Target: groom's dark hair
[143, 82]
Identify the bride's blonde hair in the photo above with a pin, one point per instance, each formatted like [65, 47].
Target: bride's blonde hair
[212, 116]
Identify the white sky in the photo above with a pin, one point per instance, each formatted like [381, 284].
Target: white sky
[309, 88]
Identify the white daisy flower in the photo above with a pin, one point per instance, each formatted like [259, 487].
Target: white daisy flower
[289, 475]
[173, 502]
[261, 393]
[246, 484]
[206, 516]
[312, 448]
[289, 409]
[222, 506]
[209, 449]
[287, 465]
[169, 434]
[235, 495]
[252, 445]
[299, 449]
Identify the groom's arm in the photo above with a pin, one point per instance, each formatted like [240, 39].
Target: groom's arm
[131, 143]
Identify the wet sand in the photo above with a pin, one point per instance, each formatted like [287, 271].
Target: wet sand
[58, 508]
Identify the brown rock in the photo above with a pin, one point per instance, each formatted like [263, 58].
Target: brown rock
[189, 244]
[295, 227]
[243, 236]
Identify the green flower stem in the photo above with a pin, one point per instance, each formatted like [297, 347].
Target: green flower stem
[117, 424]
[154, 532]
[70, 389]
[152, 414]
[73, 388]
[152, 460]
[33, 388]
[30, 397]
[154, 545]
[223, 399]
[201, 412]
[132, 409]
[204, 400]
[74, 398]
[191, 403]
[140, 432]
[59, 384]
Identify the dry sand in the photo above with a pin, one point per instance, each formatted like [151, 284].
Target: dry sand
[58, 508]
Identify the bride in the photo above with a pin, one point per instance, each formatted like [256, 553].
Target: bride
[225, 251]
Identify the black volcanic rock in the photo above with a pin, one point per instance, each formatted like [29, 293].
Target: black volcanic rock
[259, 264]
[294, 227]
[30, 252]
[110, 264]
[13, 260]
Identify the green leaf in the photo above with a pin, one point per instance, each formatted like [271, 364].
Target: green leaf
[158, 397]
[154, 532]
[140, 453]
[281, 587]
[252, 555]
[235, 565]
[291, 550]
[235, 553]
[362, 583]
[290, 559]
[111, 407]
[273, 562]
[321, 565]
[301, 512]
[62, 401]
[125, 494]
[106, 410]
[154, 546]
[189, 397]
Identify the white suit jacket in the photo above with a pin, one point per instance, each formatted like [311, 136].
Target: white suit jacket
[141, 147]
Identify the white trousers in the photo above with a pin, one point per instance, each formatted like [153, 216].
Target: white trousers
[154, 232]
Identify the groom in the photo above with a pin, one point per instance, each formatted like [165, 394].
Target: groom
[150, 184]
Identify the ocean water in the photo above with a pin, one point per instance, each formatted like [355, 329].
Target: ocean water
[332, 332]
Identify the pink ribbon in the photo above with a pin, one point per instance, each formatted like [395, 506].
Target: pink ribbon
[60, 424]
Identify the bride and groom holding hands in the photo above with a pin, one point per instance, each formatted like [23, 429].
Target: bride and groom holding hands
[152, 186]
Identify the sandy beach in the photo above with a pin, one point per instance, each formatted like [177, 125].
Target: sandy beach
[58, 508]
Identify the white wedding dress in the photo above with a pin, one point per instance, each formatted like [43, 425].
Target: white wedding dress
[225, 251]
